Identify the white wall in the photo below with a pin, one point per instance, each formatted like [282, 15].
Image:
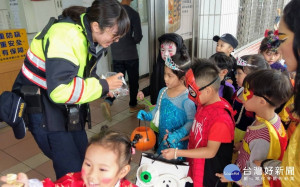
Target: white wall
[216, 17]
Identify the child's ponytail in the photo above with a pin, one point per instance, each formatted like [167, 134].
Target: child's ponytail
[116, 141]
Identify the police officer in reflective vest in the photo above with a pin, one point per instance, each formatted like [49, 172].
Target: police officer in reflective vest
[58, 78]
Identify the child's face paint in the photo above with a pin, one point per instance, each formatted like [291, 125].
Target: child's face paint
[106, 180]
[100, 167]
[167, 49]
[247, 94]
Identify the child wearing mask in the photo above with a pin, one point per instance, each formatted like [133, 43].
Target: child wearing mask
[211, 137]
[265, 137]
[243, 118]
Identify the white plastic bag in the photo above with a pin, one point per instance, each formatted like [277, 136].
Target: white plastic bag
[155, 120]
[123, 91]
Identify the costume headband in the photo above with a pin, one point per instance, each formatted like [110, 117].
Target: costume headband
[242, 62]
[273, 40]
[170, 64]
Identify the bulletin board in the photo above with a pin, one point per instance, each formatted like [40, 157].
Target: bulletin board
[13, 49]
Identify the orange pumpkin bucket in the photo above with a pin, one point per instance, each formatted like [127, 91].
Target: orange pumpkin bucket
[146, 140]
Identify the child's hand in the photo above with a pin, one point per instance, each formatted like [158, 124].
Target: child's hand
[168, 153]
[177, 135]
[166, 135]
[140, 95]
[21, 180]
[257, 162]
[237, 146]
[221, 177]
[143, 115]
[229, 81]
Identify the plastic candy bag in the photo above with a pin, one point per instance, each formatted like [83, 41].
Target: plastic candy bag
[123, 90]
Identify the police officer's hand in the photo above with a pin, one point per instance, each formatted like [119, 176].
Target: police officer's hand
[115, 81]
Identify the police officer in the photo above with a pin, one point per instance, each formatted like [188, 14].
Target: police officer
[58, 78]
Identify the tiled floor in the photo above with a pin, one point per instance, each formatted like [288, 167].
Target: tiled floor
[25, 156]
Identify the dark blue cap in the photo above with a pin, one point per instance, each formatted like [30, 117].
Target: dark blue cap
[228, 38]
[12, 108]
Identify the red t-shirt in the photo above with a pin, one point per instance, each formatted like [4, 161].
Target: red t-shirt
[219, 132]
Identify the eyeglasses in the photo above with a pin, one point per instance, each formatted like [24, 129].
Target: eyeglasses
[114, 36]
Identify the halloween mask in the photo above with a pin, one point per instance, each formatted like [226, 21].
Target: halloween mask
[194, 90]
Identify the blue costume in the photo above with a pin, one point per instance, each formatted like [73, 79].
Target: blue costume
[176, 116]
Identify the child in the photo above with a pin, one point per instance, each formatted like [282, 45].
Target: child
[226, 44]
[211, 137]
[176, 110]
[266, 137]
[225, 64]
[245, 65]
[170, 44]
[106, 163]
[269, 49]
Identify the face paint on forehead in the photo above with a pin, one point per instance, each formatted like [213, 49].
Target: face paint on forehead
[247, 94]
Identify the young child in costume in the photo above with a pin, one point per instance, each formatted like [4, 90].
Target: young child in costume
[245, 65]
[211, 137]
[169, 45]
[266, 137]
[106, 163]
[225, 64]
[226, 44]
[176, 112]
[269, 49]
[288, 34]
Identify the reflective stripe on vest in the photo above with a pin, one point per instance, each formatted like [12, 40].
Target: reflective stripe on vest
[40, 81]
[77, 91]
[36, 61]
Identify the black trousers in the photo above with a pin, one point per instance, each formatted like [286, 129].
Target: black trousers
[132, 69]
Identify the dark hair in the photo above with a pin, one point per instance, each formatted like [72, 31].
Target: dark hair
[222, 61]
[256, 60]
[74, 13]
[177, 39]
[270, 83]
[205, 72]
[115, 141]
[269, 43]
[106, 13]
[291, 17]
[183, 63]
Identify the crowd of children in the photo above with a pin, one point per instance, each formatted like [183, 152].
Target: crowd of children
[212, 112]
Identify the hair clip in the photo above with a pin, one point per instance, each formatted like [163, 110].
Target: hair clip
[132, 150]
[242, 62]
[273, 41]
[170, 64]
